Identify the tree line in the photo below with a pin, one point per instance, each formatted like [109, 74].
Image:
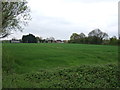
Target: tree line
[94, 37]
[32, 39]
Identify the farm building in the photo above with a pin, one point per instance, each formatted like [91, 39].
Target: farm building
[15, 41]
[59, 41]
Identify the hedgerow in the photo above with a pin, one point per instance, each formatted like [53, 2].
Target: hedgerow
[84, 76]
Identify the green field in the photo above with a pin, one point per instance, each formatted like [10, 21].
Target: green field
[48, 65]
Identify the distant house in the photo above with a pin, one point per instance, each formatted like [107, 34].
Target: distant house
[15, 41]
[49, 41]
[59, 41]
[65, 41]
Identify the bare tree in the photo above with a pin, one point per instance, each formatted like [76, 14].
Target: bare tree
[15, 15]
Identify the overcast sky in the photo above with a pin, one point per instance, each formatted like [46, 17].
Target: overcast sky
[61, 18]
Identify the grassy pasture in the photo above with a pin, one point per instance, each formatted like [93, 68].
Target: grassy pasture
[23, 59]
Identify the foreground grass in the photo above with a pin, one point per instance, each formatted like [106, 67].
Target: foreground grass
[59, 65]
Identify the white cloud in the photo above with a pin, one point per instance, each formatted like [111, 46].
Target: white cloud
[60, 18]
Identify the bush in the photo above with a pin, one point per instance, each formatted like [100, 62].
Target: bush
[84, 76]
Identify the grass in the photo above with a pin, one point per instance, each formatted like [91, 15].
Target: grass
[47, 60]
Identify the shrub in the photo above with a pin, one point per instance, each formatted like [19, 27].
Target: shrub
[84, 76]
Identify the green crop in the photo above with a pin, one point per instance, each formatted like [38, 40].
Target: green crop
[59, 66]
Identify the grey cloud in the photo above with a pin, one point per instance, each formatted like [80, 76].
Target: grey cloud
[51, 20]
[60, 28]
[91, 1]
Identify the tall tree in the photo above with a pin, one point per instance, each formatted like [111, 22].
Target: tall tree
[82, 38]
[98, 33]
[29, 39]
[82, 35]
[113, 40]
[75, 38]
[39, 39]
[15, 15]
[96, 36]
[50, 39]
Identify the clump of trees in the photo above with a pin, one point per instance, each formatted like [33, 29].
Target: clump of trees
[29, 39]
[77, 38]
[113, 40]
[47, 40]
[32, 39]
[94, 37]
